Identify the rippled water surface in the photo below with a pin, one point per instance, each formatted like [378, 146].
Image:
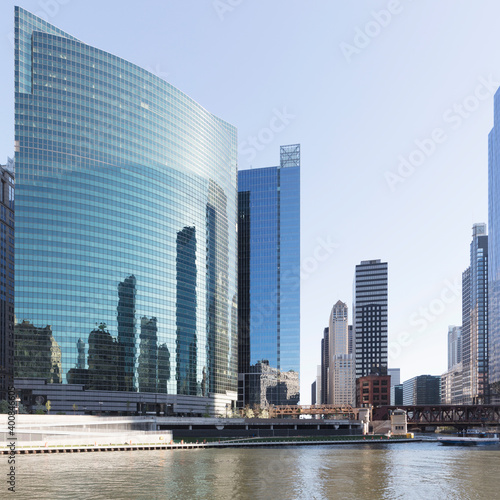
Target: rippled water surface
[405, 471]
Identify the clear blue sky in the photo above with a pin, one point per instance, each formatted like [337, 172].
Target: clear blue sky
[357, 104]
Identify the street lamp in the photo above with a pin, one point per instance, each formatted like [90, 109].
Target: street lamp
[17, 400]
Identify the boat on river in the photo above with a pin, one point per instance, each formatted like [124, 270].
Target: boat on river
[471, 439]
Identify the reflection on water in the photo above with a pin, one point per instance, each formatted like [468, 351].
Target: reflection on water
[402, 471]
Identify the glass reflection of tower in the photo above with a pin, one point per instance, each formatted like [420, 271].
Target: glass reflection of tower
[218, 334]
[186, 303]
[126, 331]
[148, 357]
[121, 161]
[269, 282]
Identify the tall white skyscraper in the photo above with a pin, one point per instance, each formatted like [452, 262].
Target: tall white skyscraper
[454, 346]
[342, 373]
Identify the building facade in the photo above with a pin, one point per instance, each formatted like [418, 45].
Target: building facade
[6, 278]
[370, 318]
[494, 255]
[452, 383]
[126, 230]
[422, 390]
[454, 346]
[342, 370]
[325, 365]
[474, 331]
[269, 282]
[373, 390]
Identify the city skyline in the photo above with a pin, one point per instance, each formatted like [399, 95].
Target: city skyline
[352, 90]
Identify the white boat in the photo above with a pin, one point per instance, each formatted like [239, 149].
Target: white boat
[475, 439]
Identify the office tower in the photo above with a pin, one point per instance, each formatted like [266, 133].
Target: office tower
[6, 278]
[474, 332]
[396, 395]
[325, 365]
[395, 374]
[370, 318]
[269, 282]
[452, 380]
[342, 370]
[422, 390]
[454, 346]
[494, 255]
[127, 200]
[318, 385]
[313, 393]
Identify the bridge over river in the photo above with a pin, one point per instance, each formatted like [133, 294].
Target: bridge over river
[460, 416]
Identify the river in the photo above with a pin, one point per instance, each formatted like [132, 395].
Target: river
[404, 471]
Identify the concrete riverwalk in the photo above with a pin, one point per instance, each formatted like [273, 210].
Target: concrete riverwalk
[239, 443]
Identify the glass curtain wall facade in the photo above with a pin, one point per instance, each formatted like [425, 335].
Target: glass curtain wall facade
[126, 229]
[370, 318]
[269, 282]
[494, 255]
[6, 278]
[474, 331]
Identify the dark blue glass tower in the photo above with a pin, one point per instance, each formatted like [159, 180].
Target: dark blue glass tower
[494, 255]
[126, 229]
[269, 282]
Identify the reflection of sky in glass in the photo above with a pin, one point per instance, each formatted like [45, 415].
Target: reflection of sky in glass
[115, 164]
[274, 265]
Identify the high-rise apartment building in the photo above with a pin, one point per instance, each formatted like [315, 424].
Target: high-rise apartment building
[494, 255]
[6, 278]
[454, 346]
[474, 331]
[126, 232]
[452, 384]
[269, 282]
[370, 318]
[342, 370]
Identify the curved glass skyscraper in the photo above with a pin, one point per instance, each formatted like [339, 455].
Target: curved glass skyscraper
[126, 213]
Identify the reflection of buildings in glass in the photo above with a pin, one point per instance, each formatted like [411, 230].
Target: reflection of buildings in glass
[104, 371]
[269, 284]
[218, 340]
[186, 304]
[37, 354]
[163, 368]
[148, 161]
[79, 374]
[126, 332]
[270, 386]
[148, 357]
[81, 354]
